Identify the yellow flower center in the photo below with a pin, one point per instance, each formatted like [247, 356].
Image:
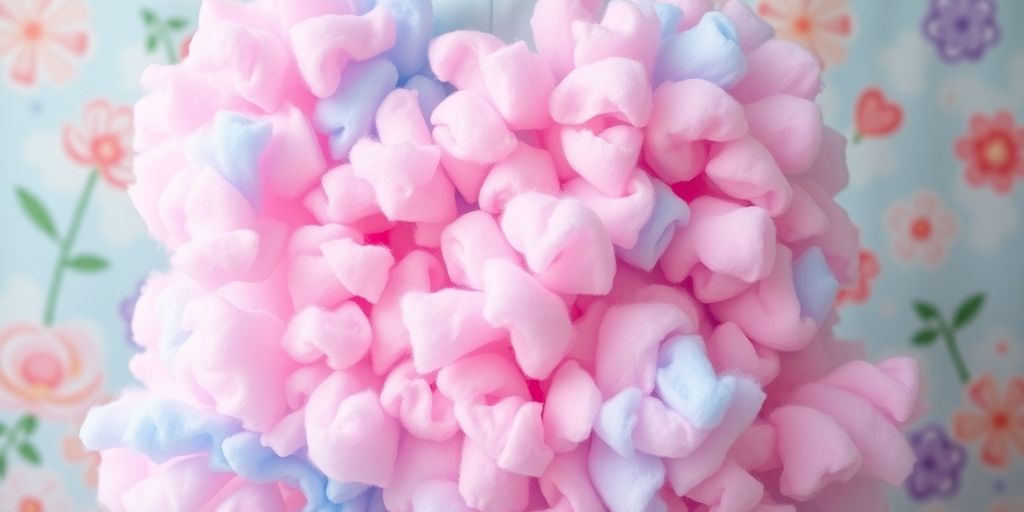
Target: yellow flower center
[996, 153]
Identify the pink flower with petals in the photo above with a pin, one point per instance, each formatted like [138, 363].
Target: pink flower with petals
[43, 37]
[52, 372]
[997, 420]
[28, 489]
[822, 26]
[921, 228]
[103, 141]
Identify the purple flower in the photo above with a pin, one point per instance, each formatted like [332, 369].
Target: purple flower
[961, 29]
[939, 464]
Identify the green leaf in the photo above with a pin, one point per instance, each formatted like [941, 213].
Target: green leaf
[150, 43]
[3, 429]
[87, 263]
[968, 310]
[27, 424]
[924, 337]
[926, 310]
[148, 16]
[177, 23]
[3, 465]
[37, 213]
[29, 453]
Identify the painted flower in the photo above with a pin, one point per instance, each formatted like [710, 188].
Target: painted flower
[961, 29]
[43, 38]
[75, 453]
[27, 489]
[921, 228]
[860, 291]
[52, 372]
[822, 26]
[997, 420]
[992, 150]
[103, 141]
[940, 461]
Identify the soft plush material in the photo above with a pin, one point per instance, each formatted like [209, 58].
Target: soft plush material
[418, 267]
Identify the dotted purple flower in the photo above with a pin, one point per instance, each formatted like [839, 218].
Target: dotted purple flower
[961, 29]
[940, 461]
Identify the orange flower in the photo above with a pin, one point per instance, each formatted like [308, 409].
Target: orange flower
[869, 269]
[992, 151]
[43, 36]
[49, 372]
[103, 141]
[1000, 423]
[822, 26]
[921, 228]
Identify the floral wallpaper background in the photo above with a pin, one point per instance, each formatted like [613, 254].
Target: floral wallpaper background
[929, 92]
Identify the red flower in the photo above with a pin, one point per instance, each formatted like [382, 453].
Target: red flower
[859, 292]
[992, 150]
[1000, 423]
[876, 115]
[103, 141]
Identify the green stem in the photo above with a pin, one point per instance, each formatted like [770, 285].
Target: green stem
[65, 248]
[857, 137]
[954, 352]
[172, 53]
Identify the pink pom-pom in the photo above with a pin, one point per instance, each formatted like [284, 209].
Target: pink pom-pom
[426, 272]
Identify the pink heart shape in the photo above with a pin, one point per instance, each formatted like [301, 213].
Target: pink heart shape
[876, 115]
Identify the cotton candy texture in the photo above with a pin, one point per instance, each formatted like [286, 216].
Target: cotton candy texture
[419, 268]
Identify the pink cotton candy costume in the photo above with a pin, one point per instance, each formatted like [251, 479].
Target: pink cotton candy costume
[415, 268]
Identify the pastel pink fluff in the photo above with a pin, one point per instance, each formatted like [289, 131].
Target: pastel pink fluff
[476, 348]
